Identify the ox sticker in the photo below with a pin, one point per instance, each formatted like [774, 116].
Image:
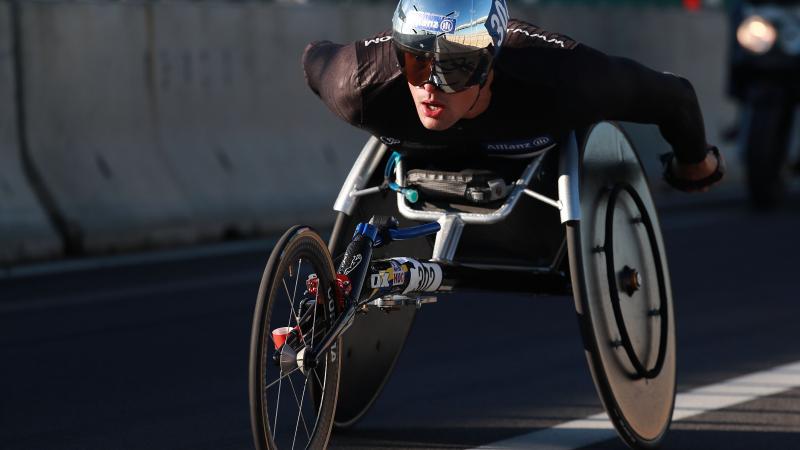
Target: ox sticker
[393, 276]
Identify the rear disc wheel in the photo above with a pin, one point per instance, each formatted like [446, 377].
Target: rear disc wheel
[622, 290]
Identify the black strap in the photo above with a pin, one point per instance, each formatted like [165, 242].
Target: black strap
[682, 184]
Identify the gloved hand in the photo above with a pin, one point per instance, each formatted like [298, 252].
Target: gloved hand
[695, 177]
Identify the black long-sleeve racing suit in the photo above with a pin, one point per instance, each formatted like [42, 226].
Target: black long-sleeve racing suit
[544, 83]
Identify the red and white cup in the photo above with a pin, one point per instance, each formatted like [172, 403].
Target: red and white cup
[279, 336]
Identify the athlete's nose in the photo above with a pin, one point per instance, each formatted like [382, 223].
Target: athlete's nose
[430, 87]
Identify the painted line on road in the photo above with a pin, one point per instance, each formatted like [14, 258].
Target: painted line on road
[598, 427]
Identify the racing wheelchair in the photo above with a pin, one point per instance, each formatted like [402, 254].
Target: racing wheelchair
[584, 224]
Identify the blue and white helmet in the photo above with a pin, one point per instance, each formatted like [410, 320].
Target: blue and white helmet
[471, 30]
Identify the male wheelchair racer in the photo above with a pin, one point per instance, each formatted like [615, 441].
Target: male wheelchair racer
[573, 217]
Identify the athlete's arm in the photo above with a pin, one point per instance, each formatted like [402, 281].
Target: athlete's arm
[602, 87]
[330, 71]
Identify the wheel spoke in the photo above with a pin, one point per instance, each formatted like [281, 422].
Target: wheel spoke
[300, 415]
[300, 404]
[277, 406]
[291, 305]
[293, 315]
[291, 309]
[321, 384]
[296, 280]
[281, 377]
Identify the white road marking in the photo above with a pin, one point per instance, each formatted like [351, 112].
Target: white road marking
[598, 428]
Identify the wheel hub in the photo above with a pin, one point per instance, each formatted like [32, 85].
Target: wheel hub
[630, 280]
[289, 359]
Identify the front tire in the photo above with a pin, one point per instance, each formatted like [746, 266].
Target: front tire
[291, 405]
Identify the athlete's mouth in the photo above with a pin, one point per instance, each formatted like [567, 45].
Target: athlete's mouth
[432, 106]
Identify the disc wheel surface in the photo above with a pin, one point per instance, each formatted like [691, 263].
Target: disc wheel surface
[622, 289]
[372, 345]
[292, 401]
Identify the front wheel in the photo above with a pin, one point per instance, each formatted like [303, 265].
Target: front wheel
[293, 400]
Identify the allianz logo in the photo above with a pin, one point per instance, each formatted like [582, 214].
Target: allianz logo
[426, 23]
[519, 145]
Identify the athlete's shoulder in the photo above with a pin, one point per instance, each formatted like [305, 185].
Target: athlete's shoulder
[522, 34]
[377, 60]
[366, 61]
[348, 76]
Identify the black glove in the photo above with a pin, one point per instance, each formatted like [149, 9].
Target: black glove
[685, 185]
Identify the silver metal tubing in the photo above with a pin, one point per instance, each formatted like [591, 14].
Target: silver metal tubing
[543, 199]
[395, 301]
[365, 165]
[363, 192]
[470, 218]
[447, 239]
[568, 179]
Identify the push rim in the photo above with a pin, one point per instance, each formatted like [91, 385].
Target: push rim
[662, 311]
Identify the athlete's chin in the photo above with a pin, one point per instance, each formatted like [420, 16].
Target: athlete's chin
[435, 124]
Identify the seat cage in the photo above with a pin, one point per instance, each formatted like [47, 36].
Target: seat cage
[453, 222]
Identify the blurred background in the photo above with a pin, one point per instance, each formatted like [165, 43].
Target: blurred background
[152, 151]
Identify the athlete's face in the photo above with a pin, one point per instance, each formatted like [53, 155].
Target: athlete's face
[439, 110]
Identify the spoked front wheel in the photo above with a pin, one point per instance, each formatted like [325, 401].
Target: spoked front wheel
[292, 398]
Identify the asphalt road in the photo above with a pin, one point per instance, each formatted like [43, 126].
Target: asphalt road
[126, 354]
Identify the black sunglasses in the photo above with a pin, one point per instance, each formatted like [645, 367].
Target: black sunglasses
[450, 72]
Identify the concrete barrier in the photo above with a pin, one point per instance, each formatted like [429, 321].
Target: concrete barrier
[159, 123]
[231, 98]
[91, 124]
[228, 141]
[25, 229]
